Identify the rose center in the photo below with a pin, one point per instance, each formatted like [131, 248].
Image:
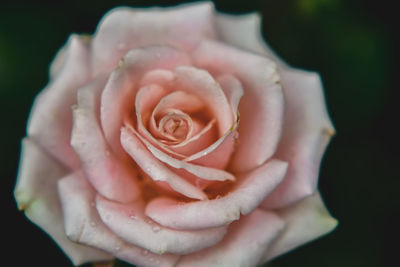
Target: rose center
[175, 127]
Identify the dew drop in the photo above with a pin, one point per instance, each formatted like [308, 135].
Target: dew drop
[117, 248]
[156, 229]
[132, 215]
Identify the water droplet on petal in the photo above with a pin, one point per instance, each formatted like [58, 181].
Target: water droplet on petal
[156, 229]
[117, 248]
[132, 215]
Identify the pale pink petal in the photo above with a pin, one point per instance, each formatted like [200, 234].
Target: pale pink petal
[199, 82]
[244, 244]
[254, 187]
[261, 107]
[83, 225]
[119, 93]
[146, 100]
[244, 31]
[154, 168]
[178, 100]
[36, 194]
[125, 28]
[167, 126]
[207, 173]
[150, 235]
[306, 133]
[218, 154]
[306, 221]
[110, 175]
[204, 137]
[233, 90]
[161, 77]
[188, 103]
[50, 121]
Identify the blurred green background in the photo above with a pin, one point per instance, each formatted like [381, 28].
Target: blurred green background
[352, 44]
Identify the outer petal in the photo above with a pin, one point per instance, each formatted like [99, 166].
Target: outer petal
[244, 244]
[305, 221]
[244, 31]
[36, 193]
[212, 213]
[83, 225]
[307, 131]
[119, 94]
[50, 121]
[261, 108]
[110, 175]
[149, 235]
[125, 28]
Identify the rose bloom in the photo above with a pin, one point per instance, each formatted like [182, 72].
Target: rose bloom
[175, 137]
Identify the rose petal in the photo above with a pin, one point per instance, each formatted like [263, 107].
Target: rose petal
[151, 236]
[50, 120]
[255, 186]
[306, 133]
[199, 82]
[261, 108]
[185, 102]
[233, 90]
[244, 31]
[146, 100]
[119, 93]
[161, 77]
[36, 193]
[83, 225]
[219, 154]
[108, 174]
[155, 169]
[178, 100]
[244, 244]
[306, 220]
[124, 28]
[206, 173]
[200, 141]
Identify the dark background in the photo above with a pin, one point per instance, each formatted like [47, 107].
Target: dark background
[352, 44]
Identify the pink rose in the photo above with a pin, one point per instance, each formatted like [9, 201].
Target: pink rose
[175, 137]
